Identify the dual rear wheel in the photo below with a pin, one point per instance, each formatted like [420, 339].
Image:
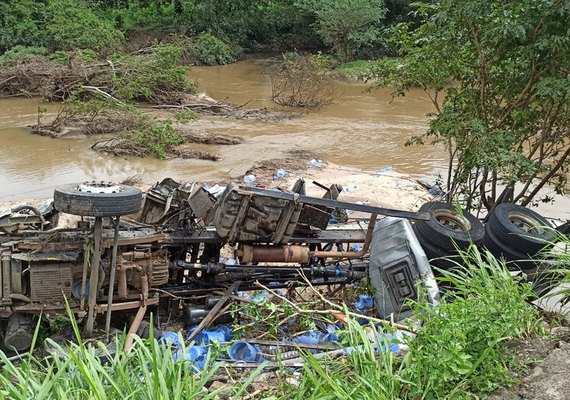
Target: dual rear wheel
[513, 233]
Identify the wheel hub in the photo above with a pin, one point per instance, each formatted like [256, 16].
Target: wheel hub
[452, 220]
[98, 187]
[525, 222]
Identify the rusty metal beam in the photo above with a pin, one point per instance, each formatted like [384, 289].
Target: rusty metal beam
[112, 277]
[128, 305]
[334, 203]
[94, 277]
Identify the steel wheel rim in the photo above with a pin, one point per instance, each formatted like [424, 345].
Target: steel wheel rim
[525, 222]
[99, 187]
[452, 220]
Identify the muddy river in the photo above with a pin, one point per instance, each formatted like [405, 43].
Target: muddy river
[360, 129]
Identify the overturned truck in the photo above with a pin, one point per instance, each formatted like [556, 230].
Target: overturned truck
[183, 245]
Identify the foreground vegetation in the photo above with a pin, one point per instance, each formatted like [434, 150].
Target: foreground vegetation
[459, 352]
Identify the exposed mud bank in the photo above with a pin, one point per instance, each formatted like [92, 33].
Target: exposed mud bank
[548, 366]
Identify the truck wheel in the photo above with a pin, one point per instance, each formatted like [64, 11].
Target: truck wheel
[440, 258]
[447, 228]
[97, 199]
[520, 228]
[516, 258]
[19, 333]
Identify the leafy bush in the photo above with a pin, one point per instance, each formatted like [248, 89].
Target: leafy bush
[459, 348]
[346, 25]
[80, 55]
[22, 23]
[148, 16]
[504, 120]
[210, 50]
[186, 116]
[355, 70]
[18, 53]
[73, 25]
[154, 77]
[154, 136]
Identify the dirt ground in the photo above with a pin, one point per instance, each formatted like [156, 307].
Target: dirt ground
[546, 377]
[388, 189]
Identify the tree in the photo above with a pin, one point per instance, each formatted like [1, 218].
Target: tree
[72, 24]
[498, 74]
[346, 25]
[22, 23]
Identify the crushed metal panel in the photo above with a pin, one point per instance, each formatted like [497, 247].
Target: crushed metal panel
[319, 216]
[201, 203]
[256, 220]
[50, 282]
[398, 268]
[47, 256]
[157, 201]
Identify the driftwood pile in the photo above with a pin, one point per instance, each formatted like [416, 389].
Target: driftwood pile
[73, 124]
[44, 78]
[122, 148]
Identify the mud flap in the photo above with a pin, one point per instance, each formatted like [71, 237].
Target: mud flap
[399, 270]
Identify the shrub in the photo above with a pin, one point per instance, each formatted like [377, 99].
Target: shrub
[210, 50]
[154, 77]
[73, 25]
[301, 81]
[459, 348]
[504, 119]
[81, 55]
[346, 25]
[22, 23]
[19, 53]
[154, 136]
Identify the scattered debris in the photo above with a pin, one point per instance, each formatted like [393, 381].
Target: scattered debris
[187, 151]
[193, 137]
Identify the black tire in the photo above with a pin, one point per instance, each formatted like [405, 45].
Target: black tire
[499, 249]
[520, 228]
[545, 278]
[447, 229]
[144, 330]
[440, 258]
[97, 199]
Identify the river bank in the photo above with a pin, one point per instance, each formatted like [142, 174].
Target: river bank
[360, 129]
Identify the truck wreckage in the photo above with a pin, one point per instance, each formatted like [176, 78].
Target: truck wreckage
[169, 258]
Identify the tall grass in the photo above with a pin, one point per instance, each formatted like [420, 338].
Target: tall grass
[80, 371]
[553, 273]
[458, 352]
[362, 374]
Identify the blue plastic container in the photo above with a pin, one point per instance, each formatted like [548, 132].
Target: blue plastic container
[170, 337]
[221, 333]
[197, 355]
[364, 301]
[243, 351]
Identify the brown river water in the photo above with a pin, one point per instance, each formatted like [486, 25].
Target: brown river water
[359, 129]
